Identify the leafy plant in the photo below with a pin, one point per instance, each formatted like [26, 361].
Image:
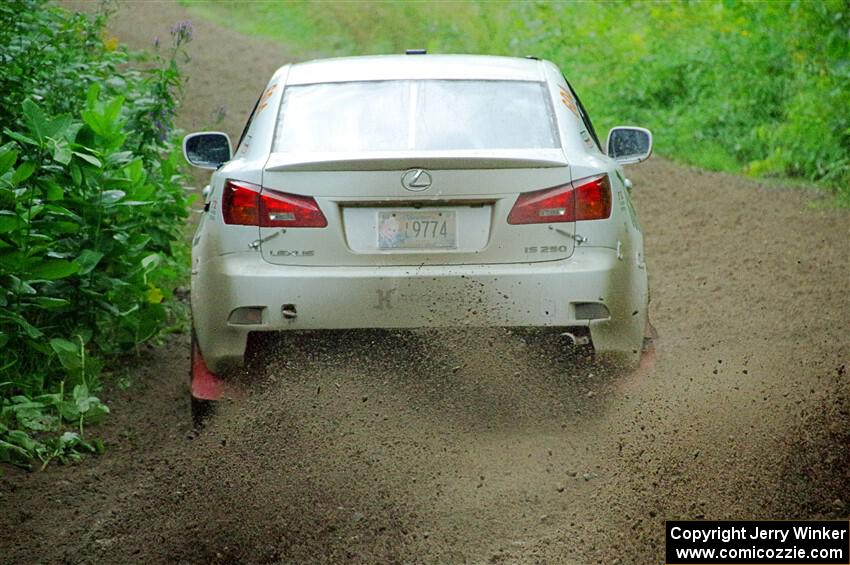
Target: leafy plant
[92, 213]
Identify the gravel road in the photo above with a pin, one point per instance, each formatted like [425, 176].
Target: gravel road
[483, 446]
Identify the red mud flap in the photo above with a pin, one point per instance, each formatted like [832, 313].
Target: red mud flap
[204, 384]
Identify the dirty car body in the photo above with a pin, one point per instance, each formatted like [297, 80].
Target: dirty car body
[417, 191]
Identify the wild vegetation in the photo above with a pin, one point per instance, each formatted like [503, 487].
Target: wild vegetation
[761, 88]
[92, 214]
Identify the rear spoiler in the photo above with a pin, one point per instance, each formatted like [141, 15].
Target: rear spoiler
[398, 160]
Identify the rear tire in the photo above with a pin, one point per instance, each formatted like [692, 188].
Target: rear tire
[202, 410]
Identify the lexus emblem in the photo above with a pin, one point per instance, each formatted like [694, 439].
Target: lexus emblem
[416, 180]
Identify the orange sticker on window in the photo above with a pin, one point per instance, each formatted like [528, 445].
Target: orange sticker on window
[264, 99]
[569, 101]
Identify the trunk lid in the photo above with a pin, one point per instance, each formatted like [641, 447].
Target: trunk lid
[453, 213]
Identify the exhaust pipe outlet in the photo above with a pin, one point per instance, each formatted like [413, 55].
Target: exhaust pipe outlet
[576, 340]
[570, 337]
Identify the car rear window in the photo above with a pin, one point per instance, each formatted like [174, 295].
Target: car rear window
[415, 115]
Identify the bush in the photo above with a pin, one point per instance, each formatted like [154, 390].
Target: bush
[759, 88]
[92, 215]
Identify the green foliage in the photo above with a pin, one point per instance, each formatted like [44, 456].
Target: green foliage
[91, 219]
[755, 87]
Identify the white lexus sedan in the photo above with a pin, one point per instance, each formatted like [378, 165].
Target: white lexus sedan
[412, 191]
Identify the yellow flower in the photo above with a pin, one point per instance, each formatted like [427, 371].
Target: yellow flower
[110, 42]
[154, 295]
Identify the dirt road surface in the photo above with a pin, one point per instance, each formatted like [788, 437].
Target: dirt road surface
[482, 446]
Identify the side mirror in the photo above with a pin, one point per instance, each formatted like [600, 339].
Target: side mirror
[207, 150]
[629, 145]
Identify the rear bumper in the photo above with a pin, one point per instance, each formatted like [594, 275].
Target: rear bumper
[524, 295]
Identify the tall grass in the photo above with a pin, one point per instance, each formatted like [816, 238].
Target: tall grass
[761, 88]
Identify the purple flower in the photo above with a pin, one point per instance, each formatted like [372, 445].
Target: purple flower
[182, 32]
[156, 42]
[160, 126]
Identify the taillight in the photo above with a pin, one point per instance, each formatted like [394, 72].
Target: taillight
[282, 210]
[585, 199]
[247, 204]
[593, 198]
[544, 206]
[240, 203]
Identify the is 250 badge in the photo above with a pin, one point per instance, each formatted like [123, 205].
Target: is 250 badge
[547, 249]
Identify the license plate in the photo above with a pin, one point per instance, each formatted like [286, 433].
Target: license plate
[430, 229]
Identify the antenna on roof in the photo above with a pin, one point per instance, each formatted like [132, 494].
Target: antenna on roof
[416, 52]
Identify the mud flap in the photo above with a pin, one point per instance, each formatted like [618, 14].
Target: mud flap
[205, 387]
[647, 351]
[204, 384]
